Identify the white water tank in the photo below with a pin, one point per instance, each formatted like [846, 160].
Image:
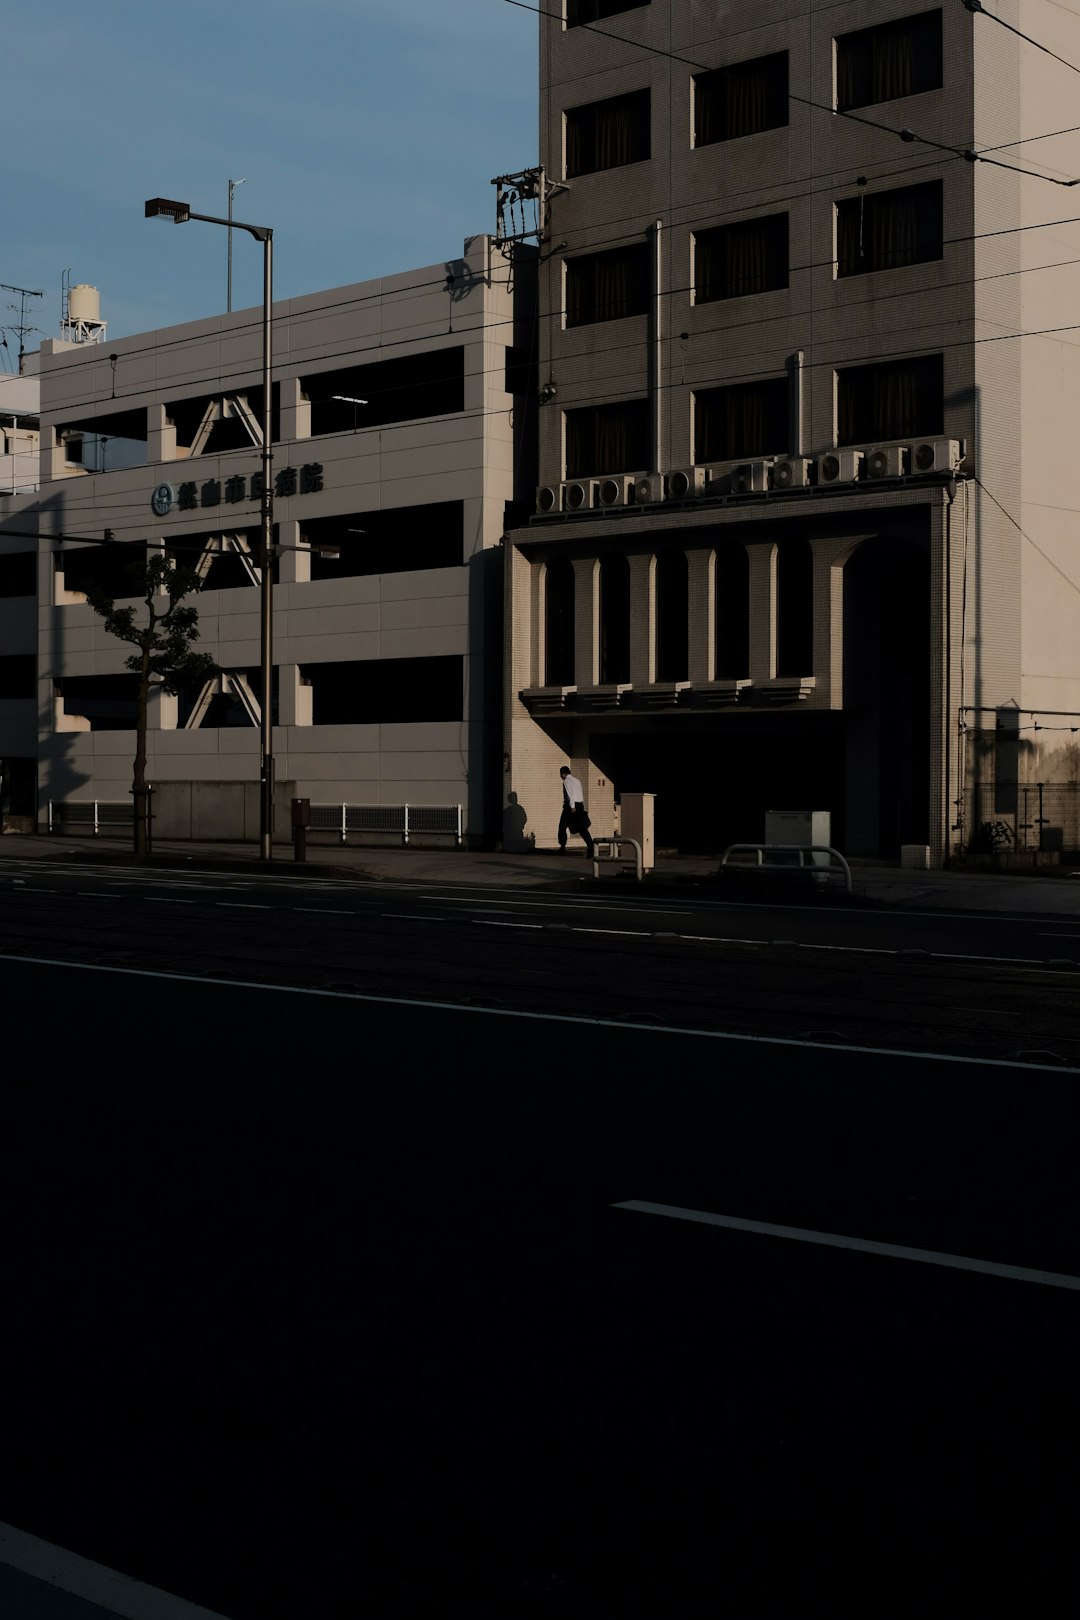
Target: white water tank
[84, 303]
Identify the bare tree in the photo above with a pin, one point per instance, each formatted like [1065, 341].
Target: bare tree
[163, 658]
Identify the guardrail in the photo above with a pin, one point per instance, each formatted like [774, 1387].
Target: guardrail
[402, 819]
[842, 870]
[92, 813]
[613, 845]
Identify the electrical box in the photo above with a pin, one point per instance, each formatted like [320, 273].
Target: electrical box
[801, 828]
[636, 821]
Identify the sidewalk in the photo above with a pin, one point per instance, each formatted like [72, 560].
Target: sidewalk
[873, 883]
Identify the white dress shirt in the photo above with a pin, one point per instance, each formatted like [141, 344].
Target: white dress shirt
[574, 791]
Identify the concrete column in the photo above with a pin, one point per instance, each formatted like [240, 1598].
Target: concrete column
[701, 603]
[828, 623]
[642, 619]
[294, 567]
[294, 698]
[160, 435]
[762, 613]
[586, 621]
[295, 412]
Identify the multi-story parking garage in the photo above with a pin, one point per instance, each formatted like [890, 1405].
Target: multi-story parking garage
[396, 451]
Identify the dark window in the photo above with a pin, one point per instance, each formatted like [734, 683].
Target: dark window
[590, 11]
[73, 449]
[742, 99]
[109, 702]
[892, 60]
[614, 619]
[387, 391]
[386, 691]
[227, 432]
[794, 608]
[607, 134]
[118, 570]
[607, 286]
[736, 260]
[607, 438]
[898, 399]
[732, 612]
[672, 615]
[18, 573]
[747, 419]
[393, 540]
[559, 622]
[887, 229]
[18, 675]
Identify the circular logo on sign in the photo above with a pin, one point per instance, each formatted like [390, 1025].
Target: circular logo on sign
[162, 499]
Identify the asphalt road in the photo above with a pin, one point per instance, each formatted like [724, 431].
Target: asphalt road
[329, 1301]
[991, 986]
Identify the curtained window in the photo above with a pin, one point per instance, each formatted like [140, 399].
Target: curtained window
[608, 134]
[607, 286]
[747, 419]
[737, 260]
[740, 100]
[898, 399]
[607, 438]
[614, 619]
[886, 229]
[590, 11]
[559, 622]
[893, 60]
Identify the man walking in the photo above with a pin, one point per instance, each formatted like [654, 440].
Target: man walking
[574, 818]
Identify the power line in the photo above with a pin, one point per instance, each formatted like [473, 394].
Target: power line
[977, 7]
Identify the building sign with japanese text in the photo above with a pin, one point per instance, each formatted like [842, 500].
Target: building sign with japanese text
[196, 496]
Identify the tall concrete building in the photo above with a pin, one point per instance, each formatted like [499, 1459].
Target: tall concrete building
[397, 454]
[805, 525]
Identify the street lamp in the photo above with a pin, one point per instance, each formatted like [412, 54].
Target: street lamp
[180, 213]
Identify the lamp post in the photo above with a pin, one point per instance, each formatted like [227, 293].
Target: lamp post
[180, 213]
[232, 189]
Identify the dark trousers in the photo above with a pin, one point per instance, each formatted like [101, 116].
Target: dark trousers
[565, 826]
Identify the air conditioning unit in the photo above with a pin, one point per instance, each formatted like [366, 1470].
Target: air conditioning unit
[839, 466]
[578, 495]
[649, 489]
[887, 461]
[936, 456]
[686, 482]
[547, 498]
[614, 490]
[750, 477]
[791, 472]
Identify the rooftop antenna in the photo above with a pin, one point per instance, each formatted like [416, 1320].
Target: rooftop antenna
[24, 325]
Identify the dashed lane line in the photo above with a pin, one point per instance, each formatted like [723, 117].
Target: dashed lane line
[831, 1240]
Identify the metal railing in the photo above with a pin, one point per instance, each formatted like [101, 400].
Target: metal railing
[764, 863]
[404, 820]
[612, 847]
[96, 814]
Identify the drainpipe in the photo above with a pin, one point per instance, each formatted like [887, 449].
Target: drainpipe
[655, 352]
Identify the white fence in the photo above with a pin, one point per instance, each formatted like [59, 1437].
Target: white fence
[400, 819]
[378, 820]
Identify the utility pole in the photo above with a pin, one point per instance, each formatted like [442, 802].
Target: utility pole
[23, 326]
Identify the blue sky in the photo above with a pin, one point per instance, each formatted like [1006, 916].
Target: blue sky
[367, 131]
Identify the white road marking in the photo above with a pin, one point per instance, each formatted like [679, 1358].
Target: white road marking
[92, 894]
[412, 916]
[242, 905]
[1060, 936]
[166, 900]
[830, 1240]
[114, 1593]
[623, 933]
[486, 922]
[326, 911]
[410, 1003]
